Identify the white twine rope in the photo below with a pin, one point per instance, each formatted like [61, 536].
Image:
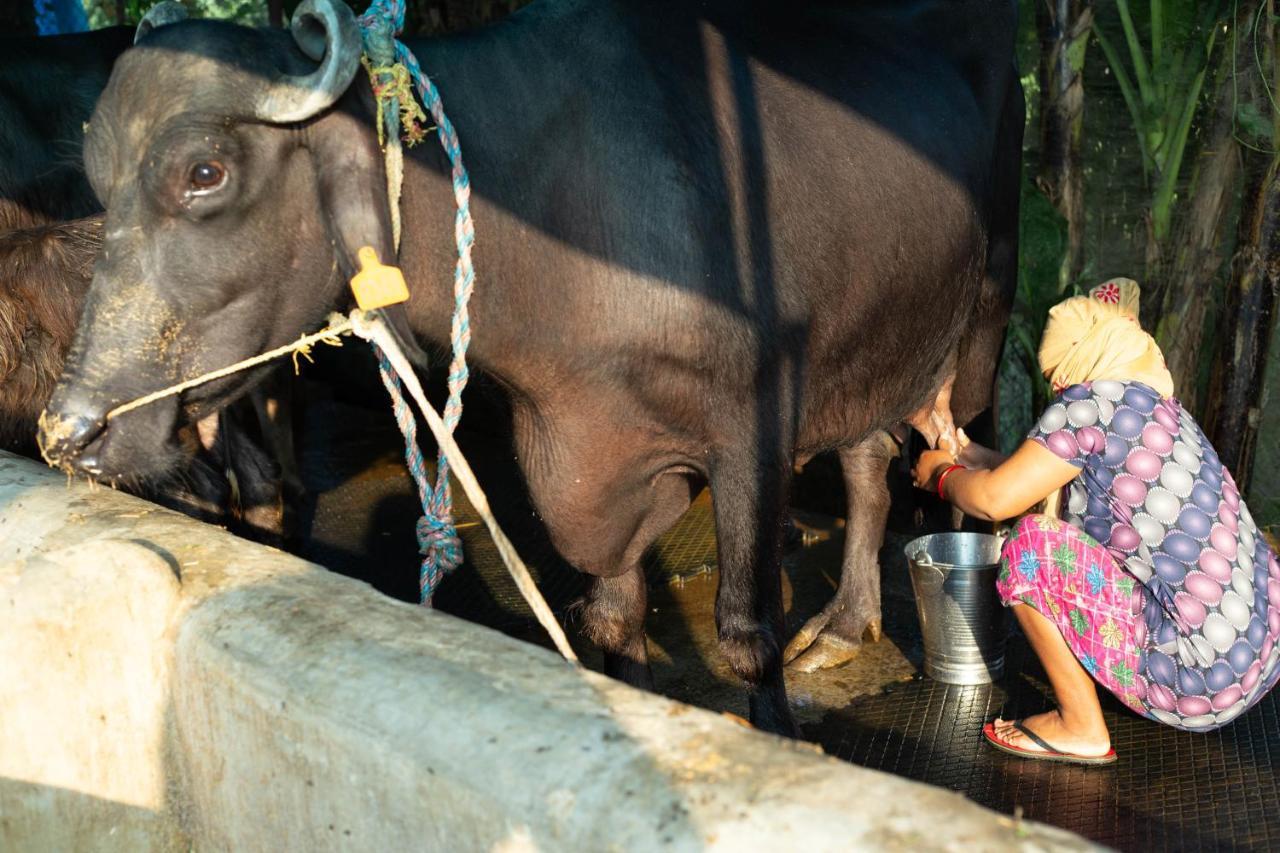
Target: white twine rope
[328, 335]
[371, 328]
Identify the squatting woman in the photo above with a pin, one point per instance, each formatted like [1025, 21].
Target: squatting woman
[1155, 582]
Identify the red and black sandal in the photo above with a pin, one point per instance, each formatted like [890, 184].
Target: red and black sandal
[1046, 752]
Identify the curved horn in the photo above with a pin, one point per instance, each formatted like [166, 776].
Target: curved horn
[159, 15]
[326, 31]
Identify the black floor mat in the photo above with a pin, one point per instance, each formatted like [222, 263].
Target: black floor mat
[1169, 790]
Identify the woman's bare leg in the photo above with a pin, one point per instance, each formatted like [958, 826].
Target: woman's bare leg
[1077, 726]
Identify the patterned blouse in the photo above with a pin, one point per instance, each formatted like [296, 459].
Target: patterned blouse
[1153, 492]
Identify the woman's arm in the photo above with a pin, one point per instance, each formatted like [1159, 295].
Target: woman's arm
[974, 455]
[1030, 475]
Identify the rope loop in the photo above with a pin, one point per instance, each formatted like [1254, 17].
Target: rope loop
[441, 547]
[391, 65]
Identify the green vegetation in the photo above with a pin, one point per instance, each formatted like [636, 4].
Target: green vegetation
[1161, 82]
[1178, 155]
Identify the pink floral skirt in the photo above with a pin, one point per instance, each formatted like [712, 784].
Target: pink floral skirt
[1069, 578]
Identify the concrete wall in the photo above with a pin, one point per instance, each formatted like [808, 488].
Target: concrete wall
[166, 686]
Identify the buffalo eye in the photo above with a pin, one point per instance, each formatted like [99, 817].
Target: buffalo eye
[207, 175]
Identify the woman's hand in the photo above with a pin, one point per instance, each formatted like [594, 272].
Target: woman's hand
[1004, 491]
[976, 457]
[930, 464]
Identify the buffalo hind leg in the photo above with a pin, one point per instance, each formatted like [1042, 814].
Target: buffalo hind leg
[750, 503]
[835, 635]
[613, 619]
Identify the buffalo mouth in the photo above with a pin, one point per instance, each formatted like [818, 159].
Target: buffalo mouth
[145, 445]
[138, 447]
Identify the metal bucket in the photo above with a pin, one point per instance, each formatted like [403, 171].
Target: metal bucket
[954, 578]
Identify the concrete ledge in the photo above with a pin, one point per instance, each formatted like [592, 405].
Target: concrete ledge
[193, 690]
[84, 671]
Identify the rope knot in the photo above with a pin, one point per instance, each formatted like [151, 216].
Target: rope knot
[439, 542]
[398, 109]
[378, 30]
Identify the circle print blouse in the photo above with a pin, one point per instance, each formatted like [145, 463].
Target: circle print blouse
[1153, 492]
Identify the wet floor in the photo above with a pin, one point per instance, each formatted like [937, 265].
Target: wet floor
[362, 525]
[1170, 790]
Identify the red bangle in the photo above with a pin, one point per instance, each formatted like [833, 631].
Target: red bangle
[943, 476]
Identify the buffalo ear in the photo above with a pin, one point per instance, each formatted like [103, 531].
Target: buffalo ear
[353, 195]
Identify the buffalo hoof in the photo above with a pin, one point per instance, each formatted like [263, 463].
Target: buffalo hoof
[821, 645]
[770, 713]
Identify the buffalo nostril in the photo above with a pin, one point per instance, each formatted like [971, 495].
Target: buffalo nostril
[84, 430]
[89, 463]
[62, 437]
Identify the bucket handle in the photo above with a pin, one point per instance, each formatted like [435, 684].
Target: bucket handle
[932, 579]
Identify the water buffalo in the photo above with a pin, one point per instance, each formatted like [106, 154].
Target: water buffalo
[45, 270]
[48, 88]
[714, 238]
[49, 240]
[44, 274]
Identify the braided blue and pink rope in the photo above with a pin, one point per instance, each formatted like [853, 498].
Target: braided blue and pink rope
[438, 538]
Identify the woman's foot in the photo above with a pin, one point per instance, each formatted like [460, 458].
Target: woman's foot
[1052, 729]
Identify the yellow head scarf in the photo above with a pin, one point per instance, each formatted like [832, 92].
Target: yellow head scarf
[1098, 337]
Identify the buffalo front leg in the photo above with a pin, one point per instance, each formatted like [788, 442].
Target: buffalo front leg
[750, 512]
[274, 404]
[835, 635]
[614, 610]
[613, 619]
[604, 499]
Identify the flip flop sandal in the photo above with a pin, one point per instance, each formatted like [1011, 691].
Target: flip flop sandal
[1046, 752]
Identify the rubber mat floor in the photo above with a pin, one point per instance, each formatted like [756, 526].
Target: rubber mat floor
[1170, 790]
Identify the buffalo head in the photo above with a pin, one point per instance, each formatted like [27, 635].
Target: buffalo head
[239, 181]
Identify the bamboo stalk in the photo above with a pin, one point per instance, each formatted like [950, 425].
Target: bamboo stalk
[1237, 413]
[1249, 317]
[1157, 33]
[1130, 98]
[1141, 71]
[1180, 289]
[1064, 29]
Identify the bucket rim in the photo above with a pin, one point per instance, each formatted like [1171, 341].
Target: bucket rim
[913, 549]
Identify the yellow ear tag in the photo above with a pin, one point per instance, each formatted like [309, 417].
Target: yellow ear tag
[377, 285]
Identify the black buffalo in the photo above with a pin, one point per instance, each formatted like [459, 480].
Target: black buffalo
[45, 270]
[48, 88]
[50, 235]
[714, 239]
